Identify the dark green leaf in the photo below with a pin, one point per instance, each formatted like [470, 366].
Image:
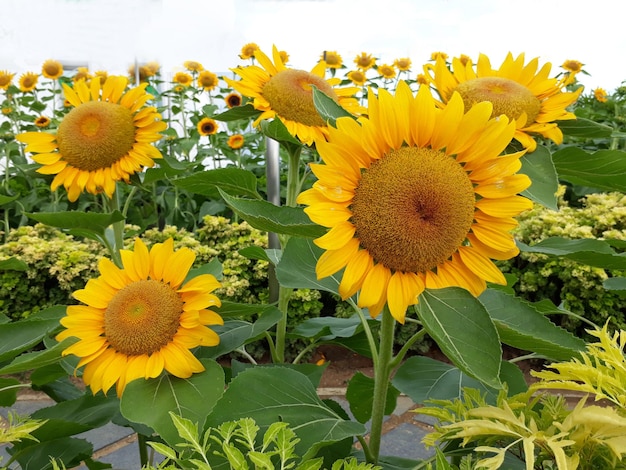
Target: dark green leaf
[328, 327]
[265, 216]
[233, 181]
[360, 396]
[462, 328]
[254, 252]
[604, 169]
[582, 127]
[13, 264]
[615, 283]
[589, 251]
[36, 456]
[328, 108]
[213, 267]
[275, 129]
[246, 111]
[7, 199]
[540, 169]
[312, 371]
[35, 359]
[233, 309]
[8, 391]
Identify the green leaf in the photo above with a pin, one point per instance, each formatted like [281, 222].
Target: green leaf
[8, 391]
[312, 371]
[589, 251]
[246, 111]
[7, 199]
[213, 267]
[328, 328]
[254, 252]
[70, 450]
[540, 169]
[89, 221]
[462, 328]
[615, 283]
[328, 109]
[604, 169]
[269, 395]
[275, 129]
[150, 401]
[234, 309]
[360, 396]
[36, 359]
[524, 327]
[267, 217]
[582, 127]
[233, 181]
[296, 268]
[13, 264]
[422, 378]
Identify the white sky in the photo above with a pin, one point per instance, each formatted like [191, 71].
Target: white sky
[111, 34]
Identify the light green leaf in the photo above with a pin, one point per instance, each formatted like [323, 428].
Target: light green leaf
[267, 217]
[582, 127]
[163, 450]
[604, 169]
[540, 169]
[233, 181]
[524, 327]
[186, 428]
[589, 251]
[615, 283]
[150, 401]
[328, 108]
[462, 328]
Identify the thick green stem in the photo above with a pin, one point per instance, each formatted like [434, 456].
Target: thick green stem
[382, 373]
[281, 327]
[118, 231]
[143, 449]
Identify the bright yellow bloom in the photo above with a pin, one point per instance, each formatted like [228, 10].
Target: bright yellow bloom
[102, 75]
[387, 71]
[233, 100]
[403, 64]
[5, 79]
[140, 320]
[28, 81]
[6, 110]
[357, 77]
[332, 59]
[183, 78]
[42, 121]
[438, 55]
[105, 138]
[207, 80]
[279, 91]
[207, 126]
[521, 92]
[193, 66]
[365, 61]
[600, 95]
[415, 197]
[52, 69]
[248, 51]
[573, 66]
[82, 73]
[421, 79]
[284, 56]
[235, 141]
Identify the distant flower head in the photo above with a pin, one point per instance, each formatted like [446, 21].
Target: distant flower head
[364, 61]
[193, 66]
[600, 95]
[52, 69]
[248, 50]
[332, 59]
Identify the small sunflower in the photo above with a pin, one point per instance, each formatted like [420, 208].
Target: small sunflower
[42, 121]
[82, 73]
[600, 95]
[438, 55]
[332, 59]
[521, 92]
[207, 80]
[183, 78]
[415, 197]
[193, 66]
[357, 77]
[207, 126]
[364, 61]
[286, 93]
[235, 141]
[421, 79]
[573, 66]
[28, 81]
[284, 56]
[233, 100]
[5, 79]
[141, 319]
[387, 71]
[102, 75]
[52, 69]
[105, 138]
[248, 51]
[403, 64]
[6, 110]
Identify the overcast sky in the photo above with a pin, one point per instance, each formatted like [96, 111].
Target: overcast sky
[111, 34]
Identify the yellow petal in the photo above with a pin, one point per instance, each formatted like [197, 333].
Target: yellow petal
[403, 290]
[373, 294]
[354, 275]
[336, 237]
[481, 265]
[332, 261]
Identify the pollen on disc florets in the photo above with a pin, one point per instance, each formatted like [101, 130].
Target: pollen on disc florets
[95, 135]
[507, 96]
[413, 209]
[289, 93]
[142, 317]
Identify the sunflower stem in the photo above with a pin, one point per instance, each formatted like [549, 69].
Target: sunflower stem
[142, 441]
[405, 348]
[118, 231]
[368, 332]
[382, 373]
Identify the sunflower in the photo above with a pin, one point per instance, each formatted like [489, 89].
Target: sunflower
[102, 75]
[415, 197]
[5, 79]
[235, 141]
[332, 59]
[600, 95]
[284, 56]
[6, 110]
[357, 77]
[141, 319]
[52, 69]
[434, 56]
[28, 81]
[233, 100]
[573, 66]
[82, 73]
[207, 126]
[193, 66]
[518, 91]
[286, 93]
[183, 78]
[421, 79]
[207, 80]
[248, 51]
[42, 121]
[403, 64]
[387, 71]
[104, 138]
[364, 61]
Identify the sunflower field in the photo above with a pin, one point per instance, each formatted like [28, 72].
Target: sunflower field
[156, 223]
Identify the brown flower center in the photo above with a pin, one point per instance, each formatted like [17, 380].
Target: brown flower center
[95, 135]
[413, 209]
[289, 93]
[507, 96]
[142, 317]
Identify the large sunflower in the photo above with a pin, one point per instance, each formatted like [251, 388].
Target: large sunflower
[286, 93]
[415, 197]
[521, 92]
[105, 138]
[141, 319]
